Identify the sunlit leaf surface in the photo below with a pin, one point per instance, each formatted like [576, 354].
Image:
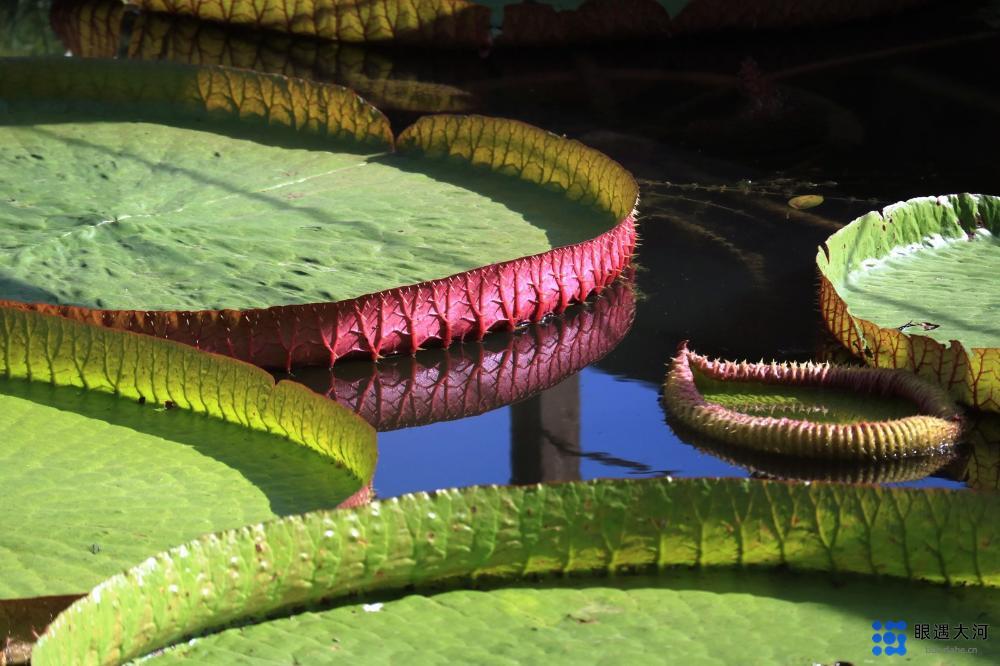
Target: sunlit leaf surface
[914, 287]
[580, 531]
[117, 445]
[270, 219]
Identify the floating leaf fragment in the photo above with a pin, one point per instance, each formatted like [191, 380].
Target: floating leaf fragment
[805, 201]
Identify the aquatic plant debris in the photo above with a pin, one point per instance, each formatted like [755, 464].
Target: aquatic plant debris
[805, 201]
[655, 537]
[811, 410]
[100, 476]
[914, 287]
[553, 220]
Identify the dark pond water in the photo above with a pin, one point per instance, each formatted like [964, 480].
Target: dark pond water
[720, 132]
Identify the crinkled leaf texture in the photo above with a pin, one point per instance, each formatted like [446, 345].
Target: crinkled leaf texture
[581, 532]
[116, 445]
[914, 287]
[237, 191]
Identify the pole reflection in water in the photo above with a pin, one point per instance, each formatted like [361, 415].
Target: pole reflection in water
[545, 435]
[536, 367]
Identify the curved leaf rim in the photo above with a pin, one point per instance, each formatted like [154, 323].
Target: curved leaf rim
[970, 374]
[472, 379]
[44, 348]
[937, 425]
[402, 319]
[491, 534]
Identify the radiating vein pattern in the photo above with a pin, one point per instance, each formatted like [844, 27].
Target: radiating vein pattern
[504, 534]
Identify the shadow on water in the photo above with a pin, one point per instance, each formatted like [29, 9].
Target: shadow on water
[22, 620]
[292, 477]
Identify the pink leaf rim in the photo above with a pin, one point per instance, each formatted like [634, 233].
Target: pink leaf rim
[467, 380]
[401, 319]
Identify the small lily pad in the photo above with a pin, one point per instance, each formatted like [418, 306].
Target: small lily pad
[811, 410]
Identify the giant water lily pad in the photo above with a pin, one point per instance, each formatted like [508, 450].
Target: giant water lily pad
[915, 287]
[814, 410]
[185, 202]
[420, 554]
[116, 445]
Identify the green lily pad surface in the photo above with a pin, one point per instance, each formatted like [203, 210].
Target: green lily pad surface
[699, 618]
[151, 216]
[820, 405]
[915, 287]
[116, 446]
[416, 557]
[944, 289]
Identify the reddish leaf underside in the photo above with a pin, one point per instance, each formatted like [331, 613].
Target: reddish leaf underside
[471, 379]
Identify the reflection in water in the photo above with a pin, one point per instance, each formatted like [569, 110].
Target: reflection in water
[739, 125]
[545, 435]
[978, 464]
[421, 83]
[475, 377]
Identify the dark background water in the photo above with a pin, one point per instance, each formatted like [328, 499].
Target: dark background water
[720, 131]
